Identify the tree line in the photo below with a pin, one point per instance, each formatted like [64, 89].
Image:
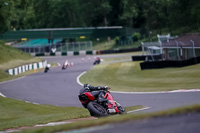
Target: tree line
[151, 15]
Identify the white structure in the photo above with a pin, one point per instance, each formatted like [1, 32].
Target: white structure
[155, 48]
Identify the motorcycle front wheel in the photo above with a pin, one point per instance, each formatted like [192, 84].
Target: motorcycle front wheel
[96, 109]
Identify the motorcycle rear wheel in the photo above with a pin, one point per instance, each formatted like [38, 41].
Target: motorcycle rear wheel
[96, 109]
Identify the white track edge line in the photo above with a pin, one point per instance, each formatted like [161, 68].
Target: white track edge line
[139, 110]
[78, 78]
[2, 95]
[32, 102]
[159, 92]
[12, 80]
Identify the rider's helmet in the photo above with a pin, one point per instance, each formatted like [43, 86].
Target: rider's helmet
[85, 85]
[107, 88]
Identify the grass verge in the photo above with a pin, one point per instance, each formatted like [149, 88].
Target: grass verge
[9, 53]
[115, 119]
[127, 76]
[14, 113]
[5, 76]
[11, 64]
[11, 58]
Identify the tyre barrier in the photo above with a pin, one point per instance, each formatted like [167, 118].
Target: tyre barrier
[92, 52]
[68, 53]
[27, 67]
[146, 57]
[166, 64]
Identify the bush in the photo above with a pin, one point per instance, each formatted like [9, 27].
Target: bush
[136, 36]
[117, 40]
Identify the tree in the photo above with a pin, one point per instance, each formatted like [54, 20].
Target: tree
[116, 12]
[149, 14]
[195, 11]
[130, 12]
[65, 13]
[105, 8]
[6, 13]
[42, 13]
[96, 12]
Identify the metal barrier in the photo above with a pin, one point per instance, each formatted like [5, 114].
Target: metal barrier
[52, 33]
[166, 64]
[74, 46]
[58, 47]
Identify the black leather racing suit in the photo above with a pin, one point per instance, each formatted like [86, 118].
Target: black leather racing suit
[98, 92]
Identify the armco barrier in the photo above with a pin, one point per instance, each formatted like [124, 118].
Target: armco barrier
[27, 67]
[166, 64]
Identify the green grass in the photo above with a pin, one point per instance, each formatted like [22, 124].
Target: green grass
[105, 45]
[9, 53]
[5, 76]
[127, 76]
[11, 58]
[14, 113]
[115, 119]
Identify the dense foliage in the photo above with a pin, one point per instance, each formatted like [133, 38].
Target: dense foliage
[157, 15]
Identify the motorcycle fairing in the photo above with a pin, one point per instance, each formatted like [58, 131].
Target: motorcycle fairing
[112, 104]
[86, 97]
[90, 96]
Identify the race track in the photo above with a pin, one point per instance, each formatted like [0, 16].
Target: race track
[59, 87]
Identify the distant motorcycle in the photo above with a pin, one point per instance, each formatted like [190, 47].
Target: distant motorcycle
[46, 69]
[65, 65]
[99, 109]
[97, 61]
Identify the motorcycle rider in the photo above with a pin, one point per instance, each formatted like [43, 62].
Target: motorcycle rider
[97, 61]
[65, 65]
[97, 92]
[47, 68]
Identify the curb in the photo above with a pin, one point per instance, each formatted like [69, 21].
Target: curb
[24, 68]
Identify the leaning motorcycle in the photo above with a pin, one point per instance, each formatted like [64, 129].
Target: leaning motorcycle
[99, 109]
[46, 69]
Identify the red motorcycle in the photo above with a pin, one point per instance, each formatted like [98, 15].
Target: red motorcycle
[99, 109]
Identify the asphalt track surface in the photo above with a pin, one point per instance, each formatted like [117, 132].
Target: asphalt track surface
[59, 87]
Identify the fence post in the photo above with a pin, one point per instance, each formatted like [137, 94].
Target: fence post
[67, 48]
[194, 54]
[142, 48]
[177, 50]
